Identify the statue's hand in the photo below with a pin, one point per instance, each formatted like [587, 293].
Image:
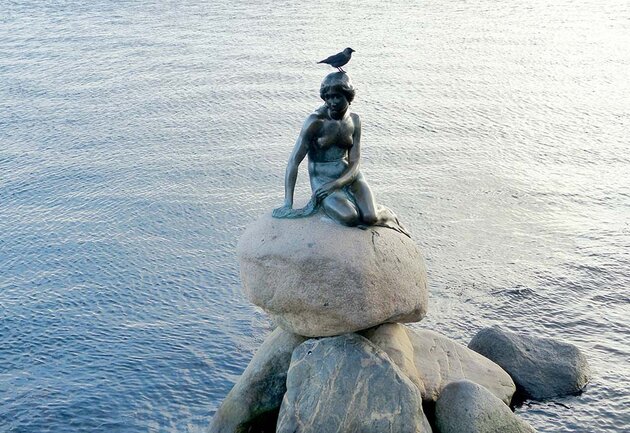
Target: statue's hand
[325, 190]
[281, 212]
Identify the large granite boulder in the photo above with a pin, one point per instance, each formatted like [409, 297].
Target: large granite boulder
[347, 384]
[541, 367]
[440, 361]
[318, 278]
[466, 407]
[260, 388]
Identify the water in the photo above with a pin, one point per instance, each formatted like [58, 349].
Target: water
[139, 138]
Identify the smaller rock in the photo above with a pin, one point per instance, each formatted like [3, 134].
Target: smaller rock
[466, 407]
[541, 367]
[347, 384]
[260, 388]
[440, 361]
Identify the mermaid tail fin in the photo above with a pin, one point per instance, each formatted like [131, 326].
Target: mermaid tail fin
[387, 218]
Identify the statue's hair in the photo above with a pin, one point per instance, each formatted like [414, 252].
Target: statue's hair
[340, 82]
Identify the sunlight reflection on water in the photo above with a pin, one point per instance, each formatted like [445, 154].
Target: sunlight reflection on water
[139, 138]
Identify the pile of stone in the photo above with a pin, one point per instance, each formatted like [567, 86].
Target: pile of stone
[341, 359]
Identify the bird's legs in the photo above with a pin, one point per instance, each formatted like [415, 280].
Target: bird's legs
[341, 69]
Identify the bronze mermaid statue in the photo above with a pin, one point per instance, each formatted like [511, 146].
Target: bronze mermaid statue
[331, 137]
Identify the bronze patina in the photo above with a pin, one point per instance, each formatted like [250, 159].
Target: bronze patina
[331, 138]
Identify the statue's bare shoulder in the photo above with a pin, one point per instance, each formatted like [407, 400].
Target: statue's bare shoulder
[319, 114]
[356, 120]
[314, 122]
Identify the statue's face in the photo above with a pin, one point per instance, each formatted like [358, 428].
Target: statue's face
[336, 103]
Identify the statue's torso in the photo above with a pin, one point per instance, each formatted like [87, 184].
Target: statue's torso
[328, 149]
[333, 140]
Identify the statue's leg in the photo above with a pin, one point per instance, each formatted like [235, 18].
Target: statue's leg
[339, 208]
[365, 201]
[371, 214]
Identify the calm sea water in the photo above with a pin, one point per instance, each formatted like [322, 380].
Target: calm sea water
[139, 138]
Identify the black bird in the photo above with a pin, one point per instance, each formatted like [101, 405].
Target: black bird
[339, 59]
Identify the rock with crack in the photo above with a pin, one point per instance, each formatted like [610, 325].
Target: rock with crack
[392, 338]
[317, 278]
[260, 388]
[347, 384]
[440, 361]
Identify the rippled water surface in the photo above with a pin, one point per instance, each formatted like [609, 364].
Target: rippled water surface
[139, 138]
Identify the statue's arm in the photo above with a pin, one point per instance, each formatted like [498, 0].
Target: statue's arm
[297, 156]
[354, 155]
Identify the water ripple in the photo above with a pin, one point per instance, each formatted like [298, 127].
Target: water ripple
[139, 138]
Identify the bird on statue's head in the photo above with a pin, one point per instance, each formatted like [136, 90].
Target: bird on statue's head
[339, 59]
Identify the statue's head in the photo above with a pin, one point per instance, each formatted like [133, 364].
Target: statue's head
[337, 82]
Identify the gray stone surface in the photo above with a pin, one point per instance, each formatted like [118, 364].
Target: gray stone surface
[541, 367]
[318, 278]
[347, 384]
[466, 407]
[392, 339]
[440, 361]
[260, 388]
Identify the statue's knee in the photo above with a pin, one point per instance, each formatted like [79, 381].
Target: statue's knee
[349, 217]
[346, 215]
[342, 211]
[370, 219]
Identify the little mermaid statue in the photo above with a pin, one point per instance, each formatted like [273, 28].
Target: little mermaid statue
[331, 137]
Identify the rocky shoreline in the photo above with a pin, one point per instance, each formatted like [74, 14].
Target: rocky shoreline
[342, 359]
